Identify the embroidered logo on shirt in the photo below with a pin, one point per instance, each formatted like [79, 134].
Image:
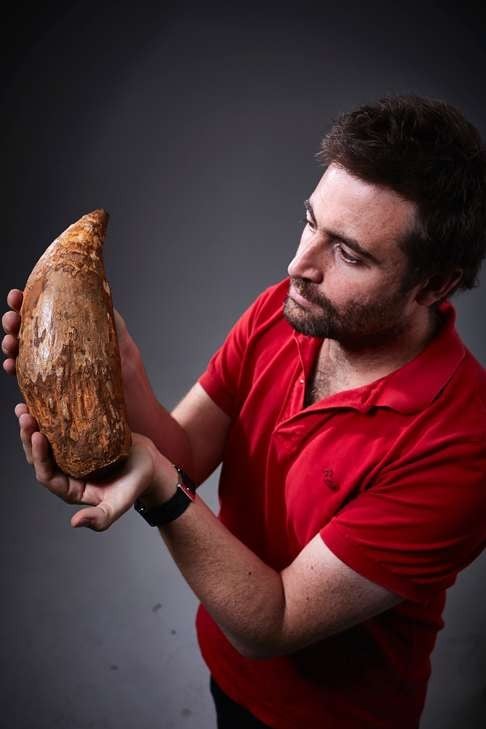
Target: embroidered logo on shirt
[329, 481]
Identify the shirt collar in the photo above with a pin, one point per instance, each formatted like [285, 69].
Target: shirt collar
[410, 388]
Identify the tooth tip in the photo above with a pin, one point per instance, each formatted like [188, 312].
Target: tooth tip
[98, 219]
[100, 216]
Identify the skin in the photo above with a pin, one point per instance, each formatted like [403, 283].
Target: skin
[372, 326]
[362, 308]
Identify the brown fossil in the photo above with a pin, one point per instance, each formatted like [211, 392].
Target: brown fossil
[68, 366]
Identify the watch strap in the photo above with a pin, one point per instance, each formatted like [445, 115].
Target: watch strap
[164, 513]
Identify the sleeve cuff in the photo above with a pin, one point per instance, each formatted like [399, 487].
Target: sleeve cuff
[336, 538]
[217, 392]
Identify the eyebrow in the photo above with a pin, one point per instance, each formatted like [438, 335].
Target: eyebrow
[350, 242]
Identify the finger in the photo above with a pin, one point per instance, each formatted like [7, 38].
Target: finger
[98, 518]
[26, 420]
[11, 322]
[14, 299]
[50, 475]
[10, 345]
[43, 462]
[20, 409]
[28, 426]
[121, 328]
[120, 321]
[9, 366]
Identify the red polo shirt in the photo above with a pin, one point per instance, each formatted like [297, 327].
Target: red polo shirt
[392, 476]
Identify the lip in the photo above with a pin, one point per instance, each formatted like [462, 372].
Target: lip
[295, 296]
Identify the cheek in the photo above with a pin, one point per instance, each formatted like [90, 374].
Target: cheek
[343, 283]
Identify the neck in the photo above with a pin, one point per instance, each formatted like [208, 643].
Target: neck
[360, 366]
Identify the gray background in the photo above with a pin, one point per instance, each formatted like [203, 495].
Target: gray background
[195, 127]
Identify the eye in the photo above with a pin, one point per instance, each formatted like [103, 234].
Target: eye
[346, 257]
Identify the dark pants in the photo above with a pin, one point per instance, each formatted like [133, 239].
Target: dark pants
[231, 715]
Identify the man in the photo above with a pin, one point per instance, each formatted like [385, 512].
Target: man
[350, 422]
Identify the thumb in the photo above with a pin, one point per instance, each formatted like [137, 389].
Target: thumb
[120, 323]
[98, 518]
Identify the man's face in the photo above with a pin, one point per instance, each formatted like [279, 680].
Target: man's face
[347, 274]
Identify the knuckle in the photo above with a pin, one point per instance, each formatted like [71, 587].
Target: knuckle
[9, 366]
[8, 320]
[9, 351]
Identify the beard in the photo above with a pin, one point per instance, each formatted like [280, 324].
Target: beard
[356, 325]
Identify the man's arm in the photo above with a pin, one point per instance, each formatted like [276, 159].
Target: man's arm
[206, 427]
[192, 435]
[263, 612]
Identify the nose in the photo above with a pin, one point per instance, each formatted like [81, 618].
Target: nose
[307, 262]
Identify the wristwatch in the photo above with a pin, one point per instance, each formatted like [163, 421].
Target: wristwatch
[174, 507]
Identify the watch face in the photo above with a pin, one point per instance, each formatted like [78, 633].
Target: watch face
[168, 511]
[138, 506]
[188, 492]
[186, 484]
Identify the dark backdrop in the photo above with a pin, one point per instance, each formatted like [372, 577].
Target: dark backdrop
[195, 126]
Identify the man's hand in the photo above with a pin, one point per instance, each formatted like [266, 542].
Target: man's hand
[108, 499]
[145, 414]
[11, 326]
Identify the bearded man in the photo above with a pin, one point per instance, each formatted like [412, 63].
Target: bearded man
[349, 419]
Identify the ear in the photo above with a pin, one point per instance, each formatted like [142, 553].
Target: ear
[437, 287]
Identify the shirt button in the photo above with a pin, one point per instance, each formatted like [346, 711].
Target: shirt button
[301, 380]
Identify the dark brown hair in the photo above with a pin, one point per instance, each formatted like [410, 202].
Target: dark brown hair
[428, 152]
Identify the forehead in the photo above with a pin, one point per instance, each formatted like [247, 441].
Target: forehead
[376, 216]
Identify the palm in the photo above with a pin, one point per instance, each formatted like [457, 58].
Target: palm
[109, 498]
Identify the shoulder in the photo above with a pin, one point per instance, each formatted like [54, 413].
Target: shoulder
[264, 311]
[270, 301]
[465, 382]
[460, 408]
[473, 379]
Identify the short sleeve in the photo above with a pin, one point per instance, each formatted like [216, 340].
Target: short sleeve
[419, 524]
[222, 376]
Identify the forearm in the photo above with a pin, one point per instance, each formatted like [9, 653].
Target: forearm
[147, 416]
[243, 594]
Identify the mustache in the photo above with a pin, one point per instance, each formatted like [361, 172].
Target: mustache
[305, 289]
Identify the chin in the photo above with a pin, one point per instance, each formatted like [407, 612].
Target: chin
[303, 322]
